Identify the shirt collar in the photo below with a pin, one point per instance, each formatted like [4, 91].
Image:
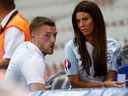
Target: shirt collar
[35, 48]
[6, 18]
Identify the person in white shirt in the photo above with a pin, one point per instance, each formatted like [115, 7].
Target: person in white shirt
[27, 65]
[86, 61]
[14, 30]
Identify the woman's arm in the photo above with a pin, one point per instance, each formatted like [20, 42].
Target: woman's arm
[111, 76]
[77, 83]
[110, 80]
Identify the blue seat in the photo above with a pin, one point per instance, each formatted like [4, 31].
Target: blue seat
[123, 62]
[123, 69]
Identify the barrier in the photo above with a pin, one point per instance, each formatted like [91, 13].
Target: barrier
[88, 92]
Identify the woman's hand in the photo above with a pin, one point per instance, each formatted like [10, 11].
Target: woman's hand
[117, 84]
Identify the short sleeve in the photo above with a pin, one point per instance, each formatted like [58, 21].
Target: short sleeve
[34, 70]
[13, 38]
[71, 62]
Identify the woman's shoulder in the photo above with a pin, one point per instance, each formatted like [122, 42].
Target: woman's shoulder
[70, 43]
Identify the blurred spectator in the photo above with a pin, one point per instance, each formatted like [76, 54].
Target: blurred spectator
[14, 30]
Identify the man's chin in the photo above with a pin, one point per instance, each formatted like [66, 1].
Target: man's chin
[50, 52]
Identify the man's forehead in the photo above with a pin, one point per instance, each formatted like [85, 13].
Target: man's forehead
[48, 28]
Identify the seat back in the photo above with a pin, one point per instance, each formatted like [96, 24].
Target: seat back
[123, 66]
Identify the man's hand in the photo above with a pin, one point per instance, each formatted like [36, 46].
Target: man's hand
[37, 87]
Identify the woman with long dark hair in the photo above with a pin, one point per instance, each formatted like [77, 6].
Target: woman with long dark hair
[86, 55]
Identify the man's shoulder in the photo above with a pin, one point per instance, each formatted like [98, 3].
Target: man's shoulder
[23, 47]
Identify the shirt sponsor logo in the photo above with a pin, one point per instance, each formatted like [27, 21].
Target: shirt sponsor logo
[67, 64]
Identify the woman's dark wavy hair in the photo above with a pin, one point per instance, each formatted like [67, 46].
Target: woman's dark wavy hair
[99, 33]
[7, 4]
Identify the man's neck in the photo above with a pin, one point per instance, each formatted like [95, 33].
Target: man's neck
[35, 42]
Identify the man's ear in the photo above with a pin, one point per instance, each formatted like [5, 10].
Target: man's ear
[33, 35]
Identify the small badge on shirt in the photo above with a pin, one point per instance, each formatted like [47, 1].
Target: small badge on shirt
[67, 64]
